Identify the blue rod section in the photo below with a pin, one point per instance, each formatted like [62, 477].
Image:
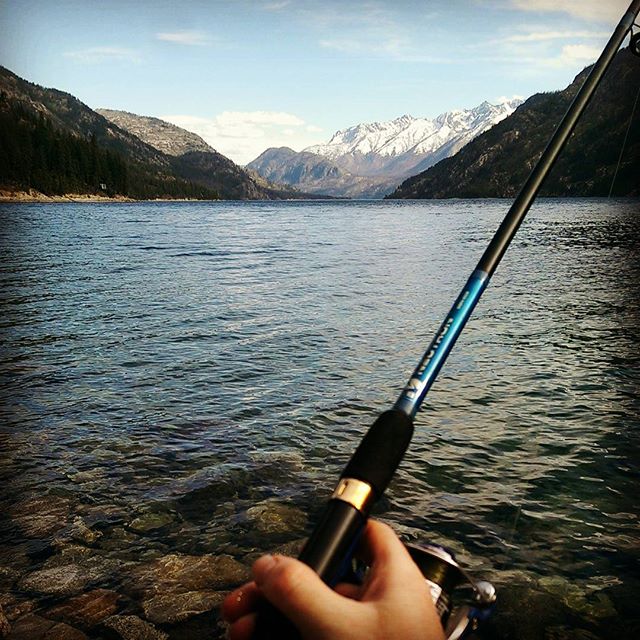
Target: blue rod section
[425, 374]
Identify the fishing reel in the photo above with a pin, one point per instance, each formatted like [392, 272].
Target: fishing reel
[634, 41]
[444, 575]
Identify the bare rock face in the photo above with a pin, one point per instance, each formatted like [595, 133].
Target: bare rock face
[133, 628]
[161, 135]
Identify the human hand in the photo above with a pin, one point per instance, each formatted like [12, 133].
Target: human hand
[393, 603]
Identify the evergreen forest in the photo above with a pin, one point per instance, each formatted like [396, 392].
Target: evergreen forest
[36, 155]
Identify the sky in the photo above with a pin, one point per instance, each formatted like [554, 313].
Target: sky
[247, 75]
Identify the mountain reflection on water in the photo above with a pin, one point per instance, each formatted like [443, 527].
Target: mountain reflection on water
[183, 382]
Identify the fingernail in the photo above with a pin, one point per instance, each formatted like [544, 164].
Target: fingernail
[262, 566]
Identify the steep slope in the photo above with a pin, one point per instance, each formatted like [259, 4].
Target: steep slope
[498, 162]
[192, 158]
[161, 135]
[370, 159]
[52, 142]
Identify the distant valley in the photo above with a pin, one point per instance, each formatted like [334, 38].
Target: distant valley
[369, 160]
[52, 143]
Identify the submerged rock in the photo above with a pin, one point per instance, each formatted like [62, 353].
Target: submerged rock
[14, 607]
[33, 627]
[589, 602]
[93, 563]
[59, 581]
[41, 516]
[88, 609]
[8, 577]
[271, 516]
[176, 573]
[171, 608]
[151, 521]
[80, 532]
[5, 627]
[133, 628]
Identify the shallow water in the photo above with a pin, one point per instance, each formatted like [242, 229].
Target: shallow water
[167, 367]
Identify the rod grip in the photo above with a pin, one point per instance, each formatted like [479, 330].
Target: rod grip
[329, 549]
[327, 552]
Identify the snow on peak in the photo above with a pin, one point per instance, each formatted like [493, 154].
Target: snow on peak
[407, 134]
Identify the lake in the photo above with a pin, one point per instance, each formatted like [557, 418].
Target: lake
[182, 384]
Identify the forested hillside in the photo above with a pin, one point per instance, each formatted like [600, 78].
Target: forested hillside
[36, 155]
[602, 156]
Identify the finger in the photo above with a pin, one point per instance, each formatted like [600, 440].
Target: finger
[300, 594]
[391, 564]
[243, 628]
[241, 602]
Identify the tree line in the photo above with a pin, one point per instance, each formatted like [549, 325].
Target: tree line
[34, 154]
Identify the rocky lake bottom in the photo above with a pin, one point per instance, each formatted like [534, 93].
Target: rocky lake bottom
[182, 384]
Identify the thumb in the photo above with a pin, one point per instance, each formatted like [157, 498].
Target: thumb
[297, 591]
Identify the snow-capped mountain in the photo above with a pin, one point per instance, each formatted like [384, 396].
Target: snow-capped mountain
[369, 159]
[397, 147]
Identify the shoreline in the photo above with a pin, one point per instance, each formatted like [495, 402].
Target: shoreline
[36, 196]
[33, 196]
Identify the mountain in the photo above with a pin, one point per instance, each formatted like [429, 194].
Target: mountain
[316, 174]
[497, 163]
[52, 142]
[368, 160]
[193, 159]
[397, 147]
[161, 135]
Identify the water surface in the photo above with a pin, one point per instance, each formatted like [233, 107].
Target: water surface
[170, 366]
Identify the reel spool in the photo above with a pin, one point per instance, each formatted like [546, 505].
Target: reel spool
[443, 575]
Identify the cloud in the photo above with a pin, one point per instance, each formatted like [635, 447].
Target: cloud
[96, 55]
[503, 99]
[535, 48]
[234, 118]
[189, 38]
[276, 6]
[573, 53]
[593, 10]
[244, 135]
[543, 36]
[367, 44]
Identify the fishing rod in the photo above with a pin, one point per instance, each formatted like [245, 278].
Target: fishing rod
[367, 474]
